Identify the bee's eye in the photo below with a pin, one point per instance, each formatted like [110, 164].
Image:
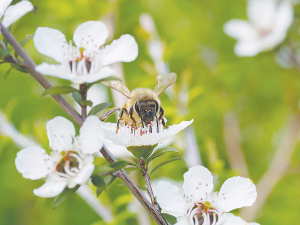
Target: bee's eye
[152, 105]
[137, 107]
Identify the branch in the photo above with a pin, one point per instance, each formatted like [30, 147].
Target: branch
[278, 168]
[148, 182]
[30, 66]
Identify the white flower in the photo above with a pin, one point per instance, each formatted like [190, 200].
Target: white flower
[268, 23]
[71, 161]
[86, 62]
[130, 136]
[199, 205]
[14, 12]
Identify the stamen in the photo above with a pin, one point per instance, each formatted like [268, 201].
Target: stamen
[67, 169]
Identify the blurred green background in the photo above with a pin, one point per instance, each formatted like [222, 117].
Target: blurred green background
[243, 103]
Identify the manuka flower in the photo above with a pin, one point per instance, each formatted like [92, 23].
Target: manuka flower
[86, 62]
[199, 205]
[268, 23]
[132, 136]
[14, 12]
[71, 161]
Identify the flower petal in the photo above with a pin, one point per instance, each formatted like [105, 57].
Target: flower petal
[230, 219]
[3, 5]
[104, 72]
[183, 220]
[198, 184]
[284, 17]
[49, 42]
[170, 199]
[15, 12]
[240, 29]
[262, 13]
[55, 71]
[174, 129]
[50, 189]
[91, 135]
[238, 192]
[90, 35]
[83, 176]
[32, 162]
[125, 49]
[126, 138]
[247, 48]
[60, 133]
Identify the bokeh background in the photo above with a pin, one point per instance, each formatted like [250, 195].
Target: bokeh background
[245, 110]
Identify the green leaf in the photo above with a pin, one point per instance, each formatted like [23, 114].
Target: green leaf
[99, 182]
[26, 39]
[4, 52]
[19, 67]
[59, 90]
[164, 163]
[141, 151]
[169, 218]
[119, 165]
[7, 73]
[161, 152]
[24, 42]
[67, 192]
[103, 169]
[128, 170]
[77, 97]
[108, 180]
[99, 107]
[86, 102]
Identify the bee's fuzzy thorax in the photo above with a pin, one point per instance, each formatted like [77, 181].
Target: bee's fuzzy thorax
[142, 94]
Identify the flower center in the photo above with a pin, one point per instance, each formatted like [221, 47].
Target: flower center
[203, 214]
[69, 165]
[136, 132]
[264, 32]
[82, 60]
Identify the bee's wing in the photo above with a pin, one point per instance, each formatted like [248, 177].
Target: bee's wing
[164, 81]
[118, 86]
[107, 113]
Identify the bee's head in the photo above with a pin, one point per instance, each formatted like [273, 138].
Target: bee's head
[147, 110]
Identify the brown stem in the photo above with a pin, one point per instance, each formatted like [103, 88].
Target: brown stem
[30, 66]
[153, 211]
[83, 93]
[148, 183]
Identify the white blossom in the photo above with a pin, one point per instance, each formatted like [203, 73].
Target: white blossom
[85, 62]
[71, 161]
[14, 12]
[149, 135]
[198, 205]
[268, 23]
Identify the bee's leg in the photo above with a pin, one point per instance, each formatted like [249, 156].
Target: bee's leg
[130, 114]
[160, 118]
[120, 118]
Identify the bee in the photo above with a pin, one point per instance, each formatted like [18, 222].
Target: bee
[143, 105]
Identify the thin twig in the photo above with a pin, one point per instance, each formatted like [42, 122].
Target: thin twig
[148, 182]
[30, 66]
[134, 189]
[278, 168]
